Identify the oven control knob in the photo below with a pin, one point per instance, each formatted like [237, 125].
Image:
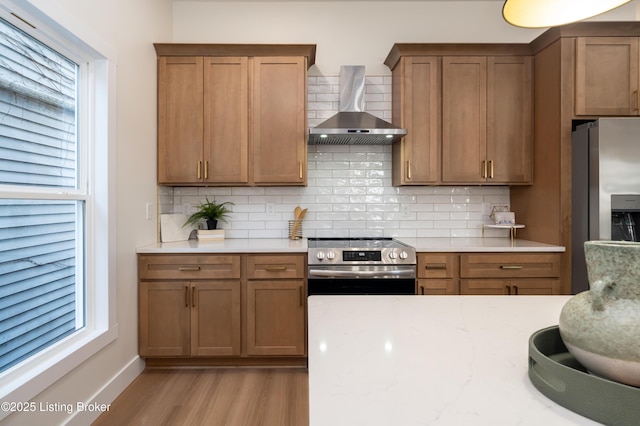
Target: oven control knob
[331, 255]
[320, 255]
[403, 255]
[393, 255]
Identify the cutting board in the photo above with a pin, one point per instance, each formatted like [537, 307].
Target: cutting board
[171, 228]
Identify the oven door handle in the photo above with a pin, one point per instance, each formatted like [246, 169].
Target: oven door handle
[361, 273]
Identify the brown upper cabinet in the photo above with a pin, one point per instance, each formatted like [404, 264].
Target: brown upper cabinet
[468, 111]
[232, 114]
[607, 76]
[416, 107]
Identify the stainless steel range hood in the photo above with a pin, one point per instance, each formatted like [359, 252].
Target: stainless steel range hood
[353, 126]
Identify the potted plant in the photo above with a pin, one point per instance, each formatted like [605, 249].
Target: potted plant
[211, 212]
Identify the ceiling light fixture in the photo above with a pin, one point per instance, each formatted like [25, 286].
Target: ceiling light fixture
[550, 13]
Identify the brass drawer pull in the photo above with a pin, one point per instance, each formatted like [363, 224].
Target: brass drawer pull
[199, 170]
[188, 268]
[275, 268]
[186, 296]
[491, 169]
[409, 170]
[510, 266]
[484, 169]
[435, 266]
[193, 297]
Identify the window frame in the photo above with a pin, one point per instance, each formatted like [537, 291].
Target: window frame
[96, 186]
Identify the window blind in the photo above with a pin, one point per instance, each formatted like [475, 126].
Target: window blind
[37, 113]
[40, 238]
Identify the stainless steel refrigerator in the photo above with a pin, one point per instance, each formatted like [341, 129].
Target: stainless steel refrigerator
[605, 187]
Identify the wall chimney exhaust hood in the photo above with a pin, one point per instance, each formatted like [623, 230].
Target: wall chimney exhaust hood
[353, 126]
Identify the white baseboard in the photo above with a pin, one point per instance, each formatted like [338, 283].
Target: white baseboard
[108, 393]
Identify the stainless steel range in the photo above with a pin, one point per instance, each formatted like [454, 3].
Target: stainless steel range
[360, 266]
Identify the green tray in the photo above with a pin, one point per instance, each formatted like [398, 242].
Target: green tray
[557, 374]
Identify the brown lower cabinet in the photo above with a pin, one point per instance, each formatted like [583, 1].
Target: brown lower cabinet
[221, 306]
[189, 318]
[437, 273]
[488, 273]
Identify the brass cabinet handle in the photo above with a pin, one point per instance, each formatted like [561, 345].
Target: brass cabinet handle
[186, 296]
[409, 169]
[484, 169]
[435, 266]
[636, 97]
[193, 296]
[275, 268]
[206, 169]
[510, 266]
[515, 290]
[508, 289]
[300, 169]
[422, 290]
[199, 169]
[188, 268]
[491, 169]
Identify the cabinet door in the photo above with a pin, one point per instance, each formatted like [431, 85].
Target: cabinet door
[279, 121]
[275, 317]
[215, 318]
[509, 119]
[416, 96]
[484, 287]
[606, 76]
[529, 287]
[464, 118]
[180, 120]
[226, 120]
[163, 318]
[514, 287]
[438, 287]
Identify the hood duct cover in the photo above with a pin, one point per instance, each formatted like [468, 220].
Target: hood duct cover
[353, 126]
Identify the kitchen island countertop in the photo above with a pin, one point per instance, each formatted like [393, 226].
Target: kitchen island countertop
[432, 360]
[284, 245]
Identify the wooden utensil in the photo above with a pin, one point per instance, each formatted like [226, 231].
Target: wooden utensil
[298, 216]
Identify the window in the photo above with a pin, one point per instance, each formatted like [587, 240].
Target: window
[41, 238]
[57, 290]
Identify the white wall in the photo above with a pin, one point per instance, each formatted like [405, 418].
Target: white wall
[130, 28]
[352, 32]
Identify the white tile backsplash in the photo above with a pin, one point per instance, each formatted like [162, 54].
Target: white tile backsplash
[349, 192]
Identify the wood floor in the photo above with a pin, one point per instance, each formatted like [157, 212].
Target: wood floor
[229, 397]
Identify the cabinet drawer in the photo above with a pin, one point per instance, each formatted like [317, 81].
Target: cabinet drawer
[525, 265]
[188, 266]
[275, 266]
[437, 265]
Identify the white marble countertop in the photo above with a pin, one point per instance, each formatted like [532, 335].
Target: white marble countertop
[229, 245]
[485, 245]
[283, 245]
[432, 360]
